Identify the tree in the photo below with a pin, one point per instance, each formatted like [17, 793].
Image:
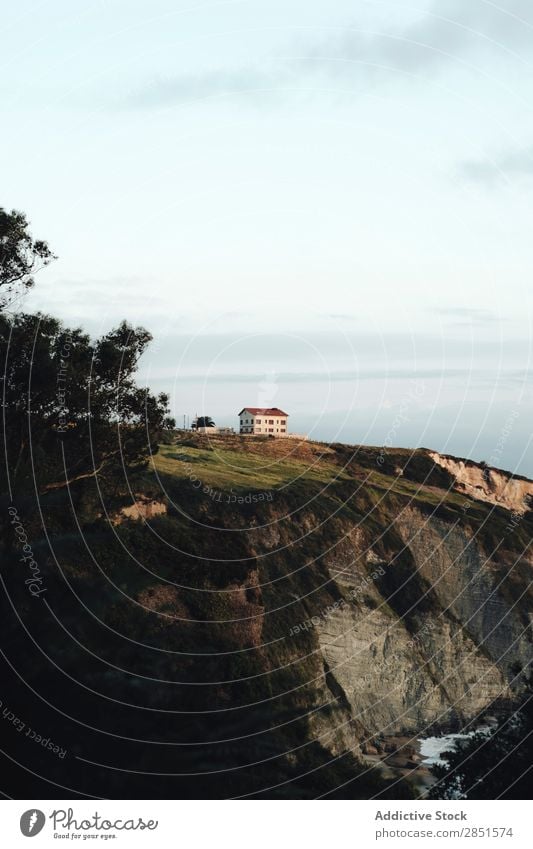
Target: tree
[490, 765]
[21, 256]
[203, 421]
[72, 409]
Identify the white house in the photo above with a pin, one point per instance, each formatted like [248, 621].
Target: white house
[269, 421]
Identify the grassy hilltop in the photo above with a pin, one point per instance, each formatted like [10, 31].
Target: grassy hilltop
[370, 479]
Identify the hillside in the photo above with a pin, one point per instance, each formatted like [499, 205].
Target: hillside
[266, 611]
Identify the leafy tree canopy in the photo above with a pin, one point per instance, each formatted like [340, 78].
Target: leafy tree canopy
[204, 421]
[72, 409]
[21, 256]
[493, 765]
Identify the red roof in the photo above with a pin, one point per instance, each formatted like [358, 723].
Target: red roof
[263, 411]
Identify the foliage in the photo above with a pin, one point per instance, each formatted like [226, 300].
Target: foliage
[490, 765]
[72, 408]
[21, 256]
[203, 421]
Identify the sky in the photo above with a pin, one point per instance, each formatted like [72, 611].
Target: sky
[323, 206]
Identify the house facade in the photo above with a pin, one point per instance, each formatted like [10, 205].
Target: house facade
[265, 421]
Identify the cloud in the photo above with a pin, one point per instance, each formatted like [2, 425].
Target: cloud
[501, 168]
[181, 360]
[410, 48]
[237, 82]
[284, 352]
[448, 29]
[482, 376]
[469, 315]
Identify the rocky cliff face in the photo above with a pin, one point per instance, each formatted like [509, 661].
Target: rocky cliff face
[486, 484]
[424, 634]
[435, 660]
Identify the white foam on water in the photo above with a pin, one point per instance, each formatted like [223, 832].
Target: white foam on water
[431, 748]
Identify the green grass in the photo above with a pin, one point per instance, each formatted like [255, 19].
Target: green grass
[340, 479]
[241, 471]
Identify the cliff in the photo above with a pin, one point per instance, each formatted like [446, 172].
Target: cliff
[286, 603]
[495, 486]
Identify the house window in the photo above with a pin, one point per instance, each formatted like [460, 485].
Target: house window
[283, 421]
[258, 421]
[271, 421]
[283, 430]
[271, 430]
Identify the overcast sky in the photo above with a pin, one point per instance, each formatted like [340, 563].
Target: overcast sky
[309, 203]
